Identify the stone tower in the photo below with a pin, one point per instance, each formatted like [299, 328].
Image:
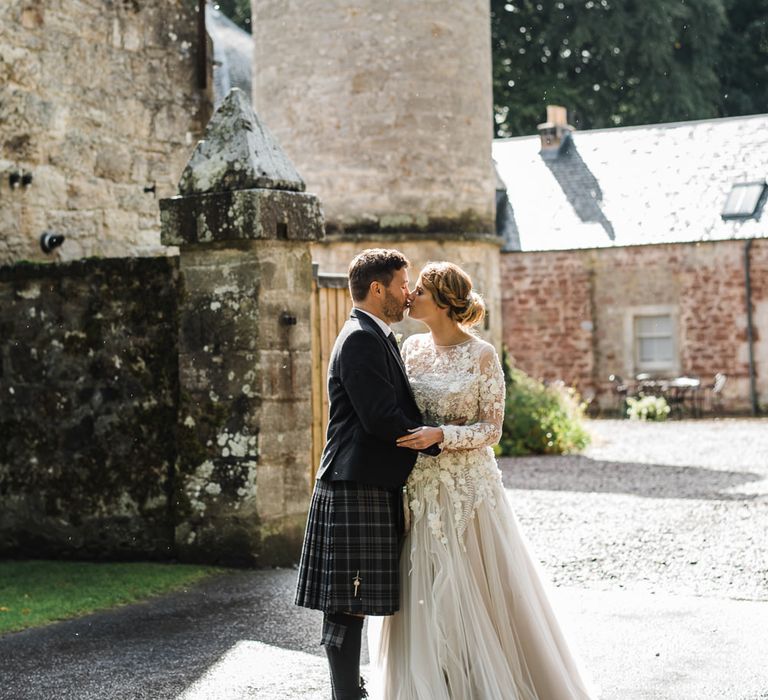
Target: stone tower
[386, 110]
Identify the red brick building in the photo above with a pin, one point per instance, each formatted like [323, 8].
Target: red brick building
[638, 250]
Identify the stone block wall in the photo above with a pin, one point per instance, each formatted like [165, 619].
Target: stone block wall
[98, 101]
[245, 415]
[547, 315]
[565, 313]
[157, 407]
[88, 403]
[401, 104]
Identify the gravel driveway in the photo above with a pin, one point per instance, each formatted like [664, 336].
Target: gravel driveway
[679, 507]
[647, 534]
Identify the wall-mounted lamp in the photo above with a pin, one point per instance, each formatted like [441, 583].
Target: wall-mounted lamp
[287, 319]
[19, 177]
[50, 240]
[150, 188]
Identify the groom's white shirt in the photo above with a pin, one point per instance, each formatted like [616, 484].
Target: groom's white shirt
[382, 324]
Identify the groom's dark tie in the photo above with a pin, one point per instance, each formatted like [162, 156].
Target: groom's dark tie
[391, 338]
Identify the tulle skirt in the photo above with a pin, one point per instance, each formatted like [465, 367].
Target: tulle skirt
[475, 619]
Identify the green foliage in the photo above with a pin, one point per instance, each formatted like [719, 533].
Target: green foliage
[239, 11]
[610, 63]
[540, 419]
[619, 62]
[647, 408]
[34, 593]
[743, 60]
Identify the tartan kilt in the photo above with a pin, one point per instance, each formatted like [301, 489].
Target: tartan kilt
[352, 530]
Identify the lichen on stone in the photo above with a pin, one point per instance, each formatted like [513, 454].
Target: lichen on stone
[238, 152]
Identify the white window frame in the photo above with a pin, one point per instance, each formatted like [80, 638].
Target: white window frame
[631, 346]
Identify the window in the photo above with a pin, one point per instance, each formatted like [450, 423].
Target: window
[654, 342]
[744, 200]
[650, 341]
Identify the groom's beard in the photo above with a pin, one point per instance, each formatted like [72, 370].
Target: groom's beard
[393, 309]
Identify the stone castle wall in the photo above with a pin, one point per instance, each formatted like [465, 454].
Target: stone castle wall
[565, 313]
[157, 407]
[98, 101]
[161, 406]
[89, 386]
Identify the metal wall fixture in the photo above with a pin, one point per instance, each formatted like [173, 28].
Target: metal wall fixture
[18, 178]
[50, 240]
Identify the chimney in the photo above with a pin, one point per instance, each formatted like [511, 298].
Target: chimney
[555, 132]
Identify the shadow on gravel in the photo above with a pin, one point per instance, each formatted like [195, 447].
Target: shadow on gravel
[582, 474]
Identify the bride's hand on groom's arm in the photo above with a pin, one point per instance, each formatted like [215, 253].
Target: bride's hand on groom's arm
[421, 438]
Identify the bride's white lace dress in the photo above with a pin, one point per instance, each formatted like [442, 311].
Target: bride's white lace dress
[475, 622]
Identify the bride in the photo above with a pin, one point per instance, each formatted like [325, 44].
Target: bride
[474, 622]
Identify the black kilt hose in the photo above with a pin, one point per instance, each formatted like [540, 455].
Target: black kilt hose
[350, 558]
[351, 554]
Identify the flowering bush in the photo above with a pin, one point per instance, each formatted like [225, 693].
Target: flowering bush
[539, 418]
[647, 408]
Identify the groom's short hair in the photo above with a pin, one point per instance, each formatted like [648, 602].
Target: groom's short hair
[373, 264]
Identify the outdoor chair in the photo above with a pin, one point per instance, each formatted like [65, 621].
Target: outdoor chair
[682, 394]
[715, 392]
[620, 390]
[647, 385]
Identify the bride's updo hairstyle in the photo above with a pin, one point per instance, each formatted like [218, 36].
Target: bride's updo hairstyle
[451, 288]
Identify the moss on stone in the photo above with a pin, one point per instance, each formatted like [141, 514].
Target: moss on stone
[92, 414]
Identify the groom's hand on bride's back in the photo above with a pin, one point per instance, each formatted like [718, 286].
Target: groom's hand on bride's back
[421, 438]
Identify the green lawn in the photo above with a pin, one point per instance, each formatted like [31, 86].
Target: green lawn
[33, 593]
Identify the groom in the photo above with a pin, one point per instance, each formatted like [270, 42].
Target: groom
[349, 564]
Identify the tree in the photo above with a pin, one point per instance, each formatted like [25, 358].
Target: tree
[239, 11]
[743, 60]
[609, 62]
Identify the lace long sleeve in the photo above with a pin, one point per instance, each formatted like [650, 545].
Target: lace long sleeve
[487, 430]
[405, 348]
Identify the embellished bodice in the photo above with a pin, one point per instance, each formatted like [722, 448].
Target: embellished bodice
[461, 389]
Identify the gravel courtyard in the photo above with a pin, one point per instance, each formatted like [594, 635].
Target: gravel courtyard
[679, 507]
[656, 538]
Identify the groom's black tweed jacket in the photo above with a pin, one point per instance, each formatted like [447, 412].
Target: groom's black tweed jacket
[370, 405]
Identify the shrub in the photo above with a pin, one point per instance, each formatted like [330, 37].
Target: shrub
[647, 408]
[539, 418]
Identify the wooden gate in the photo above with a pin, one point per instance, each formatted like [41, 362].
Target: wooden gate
[331, 305]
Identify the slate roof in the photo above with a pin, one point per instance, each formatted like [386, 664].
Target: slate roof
[660, 183]
[232, 55]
